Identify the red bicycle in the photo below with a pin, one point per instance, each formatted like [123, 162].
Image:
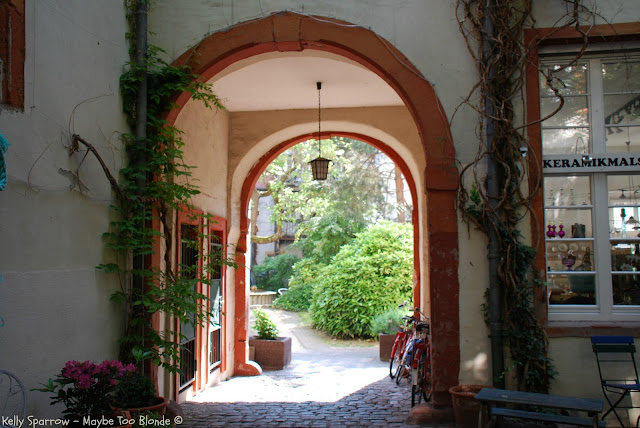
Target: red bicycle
[399, 345]
[411, 357]
[421, 386]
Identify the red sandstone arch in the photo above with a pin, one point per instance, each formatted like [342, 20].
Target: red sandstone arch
[289, 31]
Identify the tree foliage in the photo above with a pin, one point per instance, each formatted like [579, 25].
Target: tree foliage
[366, 277]
[275, 272]
[306, 274]
[359, 187]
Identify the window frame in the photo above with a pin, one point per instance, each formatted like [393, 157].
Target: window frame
[559, 42]
[12, 54]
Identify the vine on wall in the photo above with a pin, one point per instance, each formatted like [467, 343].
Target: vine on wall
[501, 56]
[154, 184]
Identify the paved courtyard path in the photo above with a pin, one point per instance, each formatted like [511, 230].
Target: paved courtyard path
[328, 384]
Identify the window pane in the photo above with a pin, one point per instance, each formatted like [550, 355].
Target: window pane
[567, 191]
[622, 109]
[572, 289]
[563, 141]
[623, 139]
[624, 200]
[625, 256]
[621, 76]
[569, 255]
[626, 289]
[574, 112]
[624, 190]
[570, 80]
[625, 262]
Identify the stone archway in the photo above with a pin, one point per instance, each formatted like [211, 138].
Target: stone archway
[289, 31]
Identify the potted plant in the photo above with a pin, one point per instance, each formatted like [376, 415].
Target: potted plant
[385, 326]
[136, 394]
[271, 352]
[86, 390]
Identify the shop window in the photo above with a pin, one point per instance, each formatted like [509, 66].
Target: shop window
[591, 160]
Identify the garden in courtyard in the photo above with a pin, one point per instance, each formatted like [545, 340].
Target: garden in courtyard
[351, 262]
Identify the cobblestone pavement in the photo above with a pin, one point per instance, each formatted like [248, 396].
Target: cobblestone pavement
[327, 384]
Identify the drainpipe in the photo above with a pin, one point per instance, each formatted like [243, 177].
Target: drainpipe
[141, 122]
[493, 189]
[141, 101]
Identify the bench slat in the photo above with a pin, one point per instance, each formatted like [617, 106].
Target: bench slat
[542, 400]
[523, 414]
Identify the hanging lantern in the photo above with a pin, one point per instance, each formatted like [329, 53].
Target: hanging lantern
[320, 168]
[320, 165]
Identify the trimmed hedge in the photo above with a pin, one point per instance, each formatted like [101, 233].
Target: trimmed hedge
[368, 276]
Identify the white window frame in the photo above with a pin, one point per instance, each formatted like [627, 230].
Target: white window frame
[604, 309]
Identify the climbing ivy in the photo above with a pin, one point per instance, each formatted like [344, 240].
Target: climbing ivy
[154, 184]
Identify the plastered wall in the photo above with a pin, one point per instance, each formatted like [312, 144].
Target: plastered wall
[206, 134]
[54, 303]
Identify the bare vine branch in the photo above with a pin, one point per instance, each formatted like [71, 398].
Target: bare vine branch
[501, 76]
[112, 181]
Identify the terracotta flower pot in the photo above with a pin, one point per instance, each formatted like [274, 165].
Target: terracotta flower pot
[386, 344]
[160, 407]
[272, 354]
[465, 406]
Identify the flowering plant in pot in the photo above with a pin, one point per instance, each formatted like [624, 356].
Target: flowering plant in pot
[85, 389]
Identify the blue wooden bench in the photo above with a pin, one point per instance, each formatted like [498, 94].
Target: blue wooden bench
[495, 401]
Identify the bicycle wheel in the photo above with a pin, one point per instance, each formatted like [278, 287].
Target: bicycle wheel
[422, 389]
[401, 371]
[396, 358]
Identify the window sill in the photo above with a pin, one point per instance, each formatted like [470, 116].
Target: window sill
[591, 328]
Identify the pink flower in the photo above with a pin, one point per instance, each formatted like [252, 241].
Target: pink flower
[84, 381]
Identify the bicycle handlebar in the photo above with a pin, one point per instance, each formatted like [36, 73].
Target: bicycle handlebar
[414, 309]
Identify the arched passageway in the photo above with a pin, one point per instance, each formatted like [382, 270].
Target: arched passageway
[436, 237]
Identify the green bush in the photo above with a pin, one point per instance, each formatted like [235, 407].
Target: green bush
[265, 328]
[367, 276]
[275, 271]
[305, 275]
[297, 299]
[388, 322]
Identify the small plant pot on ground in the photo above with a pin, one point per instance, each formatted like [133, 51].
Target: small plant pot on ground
[465, 407]
[160, 407]
[272, 354]
[386, 344]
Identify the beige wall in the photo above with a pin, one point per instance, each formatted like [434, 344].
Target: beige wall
[206, 134]
[54, 302]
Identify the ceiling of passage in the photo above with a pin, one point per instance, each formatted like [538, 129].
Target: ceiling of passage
[287, 80]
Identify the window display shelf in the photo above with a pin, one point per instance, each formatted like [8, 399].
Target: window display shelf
[566, 207]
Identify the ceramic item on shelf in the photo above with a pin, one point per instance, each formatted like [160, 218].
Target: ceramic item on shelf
[573, 247]
[578, 230]
[569, 260]
[550, 233]
[563, 247]
[560, 232]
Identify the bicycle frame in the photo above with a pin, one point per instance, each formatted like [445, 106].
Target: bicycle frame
[399, 348]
